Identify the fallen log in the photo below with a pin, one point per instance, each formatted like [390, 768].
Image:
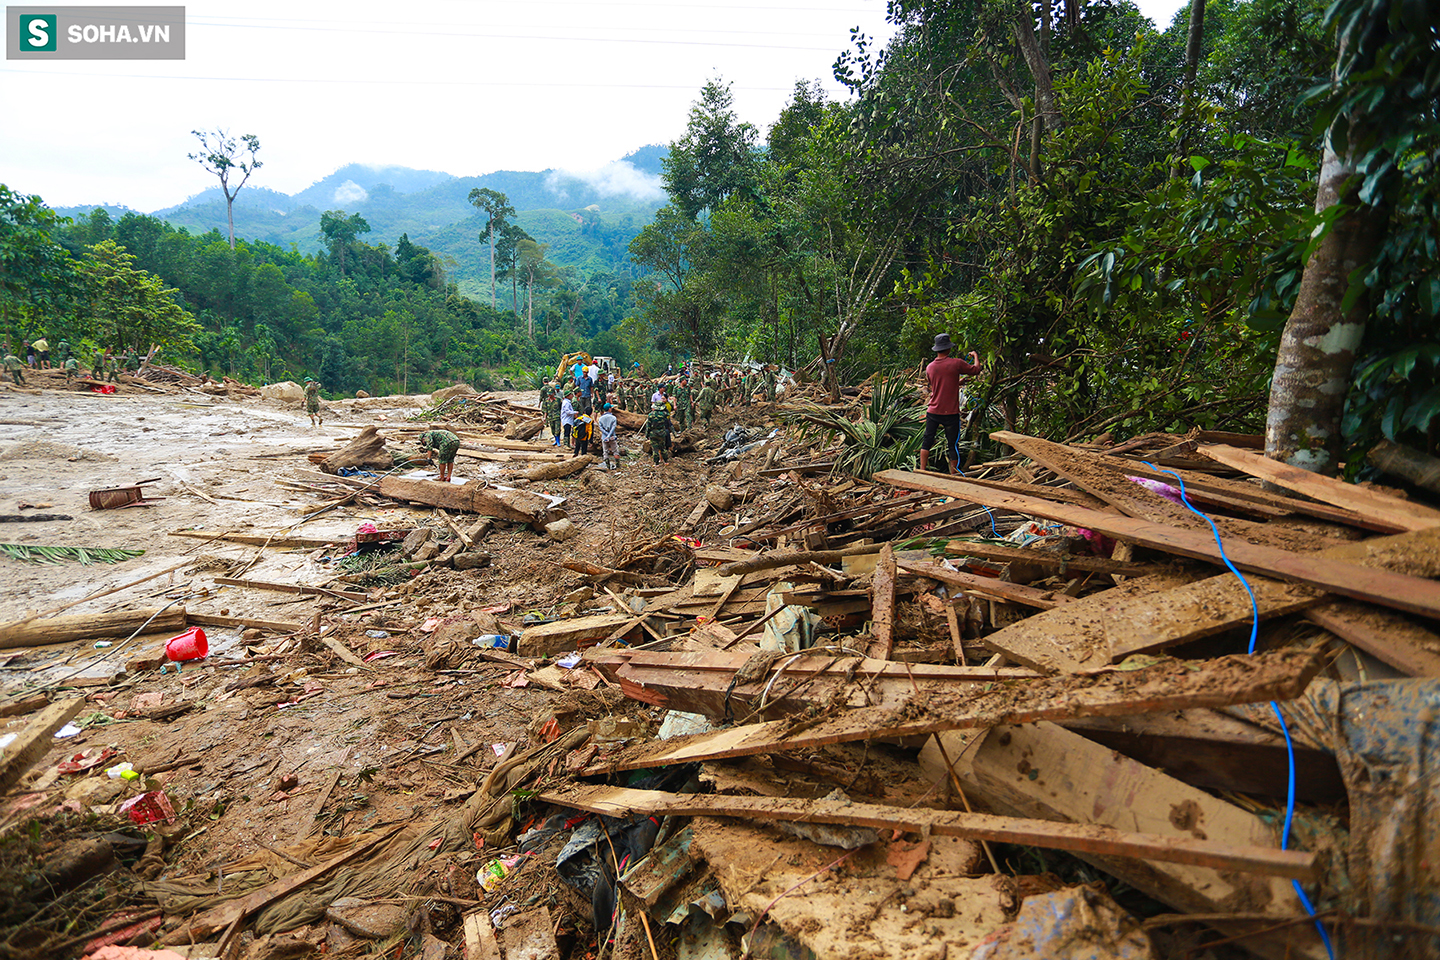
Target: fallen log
[116, 623]
[473, 497]
[367, 451]
[558, 471]
[1419, 468]
[1079, 837]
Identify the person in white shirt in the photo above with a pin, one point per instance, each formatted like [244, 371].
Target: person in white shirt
[609, 442]
[567, 415]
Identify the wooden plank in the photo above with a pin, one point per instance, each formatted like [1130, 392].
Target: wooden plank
[277, 540]
[1159, 620]
[1214, 751]
[547, 639]
[695, 516]
[989, 586]
[1387, 636]
[1078, 837]
[1281, 675]
[1064, 562]
[709, 681]
[34, 741]
[1046, 772]
[882, 600]
[1411, 594]
[1071, 638]
[480, 942]
[1407, 514]
[1110, 481]
[215, 620]
[342, 651]
[292, 588]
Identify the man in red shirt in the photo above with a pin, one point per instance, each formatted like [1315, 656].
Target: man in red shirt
[942, 376]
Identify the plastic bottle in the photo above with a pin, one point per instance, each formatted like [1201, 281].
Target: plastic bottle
[498, 641]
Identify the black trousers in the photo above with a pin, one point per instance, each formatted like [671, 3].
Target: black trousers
[951, 423]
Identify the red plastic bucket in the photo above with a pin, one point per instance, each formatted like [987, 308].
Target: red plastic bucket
[190, 645]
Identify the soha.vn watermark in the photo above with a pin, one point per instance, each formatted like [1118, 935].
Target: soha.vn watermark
[95, 33]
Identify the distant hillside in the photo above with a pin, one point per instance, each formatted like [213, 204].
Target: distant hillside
[431, 207]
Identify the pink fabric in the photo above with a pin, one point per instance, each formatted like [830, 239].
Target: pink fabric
[944, 374]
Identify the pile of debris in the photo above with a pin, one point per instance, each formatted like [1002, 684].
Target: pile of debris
[1050, 708]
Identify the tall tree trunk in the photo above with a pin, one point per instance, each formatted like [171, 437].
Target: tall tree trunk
[1024, 25]
[1317, 347]
[230, 216]
[492, 263]
[1187, 85]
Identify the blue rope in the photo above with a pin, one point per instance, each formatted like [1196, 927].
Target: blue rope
[1289, 744]
[994, 532]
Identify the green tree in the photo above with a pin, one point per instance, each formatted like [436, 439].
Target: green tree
[223, 157]
[715, 158]
[37, 276]
[498, 212]
[340, 233]
[128, 307]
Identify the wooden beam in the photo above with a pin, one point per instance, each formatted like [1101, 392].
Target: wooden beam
[989, 586]
[708, 681]
[1282, 675]
[1158, 620]
[480, 942]
[882, 601]
[277, 540]
[292, 588]
[1065, 562]
[1387, 636]
[1104, 841]
[34, 741]
[1411, 594]
[215, 620]
[1404, 513]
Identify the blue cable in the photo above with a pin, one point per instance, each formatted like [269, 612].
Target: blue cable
[1289, 744]
[993, 530]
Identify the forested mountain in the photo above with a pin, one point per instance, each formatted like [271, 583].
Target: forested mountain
[432, 209]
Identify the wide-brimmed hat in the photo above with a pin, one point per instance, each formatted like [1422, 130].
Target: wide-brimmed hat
[942, 342]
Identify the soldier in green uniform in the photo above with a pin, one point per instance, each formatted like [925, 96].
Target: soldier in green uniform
[312, 402]
[72, 367]
[97, 366]
[767, 382]
[16, 368]
[446, 445]
[550, 407]
[745, 389]
[682, 403]
[705, 402]
[657, 431]
[112, 367]
[132, 362]
[602, 390]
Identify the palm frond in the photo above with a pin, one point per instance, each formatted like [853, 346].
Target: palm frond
[45, 554]
[883, 435]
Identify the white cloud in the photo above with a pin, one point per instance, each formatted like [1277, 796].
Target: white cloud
[350, 192]
[619, 178]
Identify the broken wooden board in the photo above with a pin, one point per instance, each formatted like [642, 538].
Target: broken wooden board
[1076, 837]
[1402, 592]
[1174, 685]
[562, 636]
[473, 497]
[293, 588]
[989, 586]
[1217, 752]
[34, 741]
[1383, 634]
[882, 599]
[1071, 638]
[706, 682]
[1403, 513]
[1046, 772]
[480, 942]
[1065, 563]
[215, 620]
[708, 582]
[1112, 485]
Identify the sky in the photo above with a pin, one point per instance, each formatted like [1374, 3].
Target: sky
[462, 86]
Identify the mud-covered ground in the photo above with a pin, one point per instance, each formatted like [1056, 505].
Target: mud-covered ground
[267, 751]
